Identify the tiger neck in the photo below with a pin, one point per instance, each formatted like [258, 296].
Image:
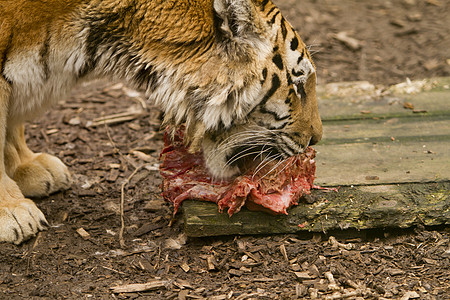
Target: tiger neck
[173, 55]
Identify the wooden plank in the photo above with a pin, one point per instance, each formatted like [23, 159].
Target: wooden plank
[390, 162]
[359, 208]
[401, 129]
[361, 100]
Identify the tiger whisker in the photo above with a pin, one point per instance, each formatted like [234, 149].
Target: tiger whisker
[240, 155]
[271, 159]
[276, 166]
[288, 164]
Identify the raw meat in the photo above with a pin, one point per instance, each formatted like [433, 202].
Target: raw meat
[186, 177]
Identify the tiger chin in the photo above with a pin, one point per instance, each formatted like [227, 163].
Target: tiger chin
[233, 72]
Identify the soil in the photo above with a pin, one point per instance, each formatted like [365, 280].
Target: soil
[80, 256]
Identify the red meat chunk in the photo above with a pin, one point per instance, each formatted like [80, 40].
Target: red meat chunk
[274, 188]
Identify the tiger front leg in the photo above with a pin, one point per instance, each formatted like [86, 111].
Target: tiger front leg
[36, 174]
[20, 218]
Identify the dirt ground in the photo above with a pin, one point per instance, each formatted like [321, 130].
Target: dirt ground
[393, 40]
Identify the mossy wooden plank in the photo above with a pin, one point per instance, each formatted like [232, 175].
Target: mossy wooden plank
[363, 207]
[362, 100]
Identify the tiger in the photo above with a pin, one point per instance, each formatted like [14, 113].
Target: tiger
[234, 73]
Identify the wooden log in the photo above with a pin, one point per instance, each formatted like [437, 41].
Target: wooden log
[361, 207]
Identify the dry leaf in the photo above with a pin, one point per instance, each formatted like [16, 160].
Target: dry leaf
[408, 105]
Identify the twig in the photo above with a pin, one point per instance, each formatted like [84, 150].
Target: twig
[122, 188]
[116, 149]
[122, 201]
[115, 271]
[140, 287]
[116, 118]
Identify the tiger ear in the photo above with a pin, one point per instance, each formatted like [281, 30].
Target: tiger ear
[238, 26]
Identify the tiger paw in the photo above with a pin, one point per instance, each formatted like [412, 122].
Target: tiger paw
[20, 219]
[42, 176]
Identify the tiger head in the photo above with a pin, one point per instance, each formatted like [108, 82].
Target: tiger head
[234, 72]
[275, 110]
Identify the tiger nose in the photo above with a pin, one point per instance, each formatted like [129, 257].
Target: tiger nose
[316, 134]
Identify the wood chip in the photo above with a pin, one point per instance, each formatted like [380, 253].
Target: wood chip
[335, 244]
[434, 2]
[185, 267]
[300, 290]
[52, 131]
[183, 294]
[283, 252]
[394, 272]
[140, 287]
[430, 261]
[113, 175]
[114, 166]
[182, 284]
[350, 42]
[314, 270]
[235, 272]
[410, 295]
[245, 269]
[211, 263]
[219, 297]
[332, 286]
[303, 275]
[398, 23]
[142, 156]
[83, 233]
[265, 279]
[154, 205]
[74, 121]
[407, 31]
[431, 64]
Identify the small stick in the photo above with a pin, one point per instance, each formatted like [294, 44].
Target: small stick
[140, 287]
[114, 120]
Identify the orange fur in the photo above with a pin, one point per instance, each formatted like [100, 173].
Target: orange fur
[234, 72]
